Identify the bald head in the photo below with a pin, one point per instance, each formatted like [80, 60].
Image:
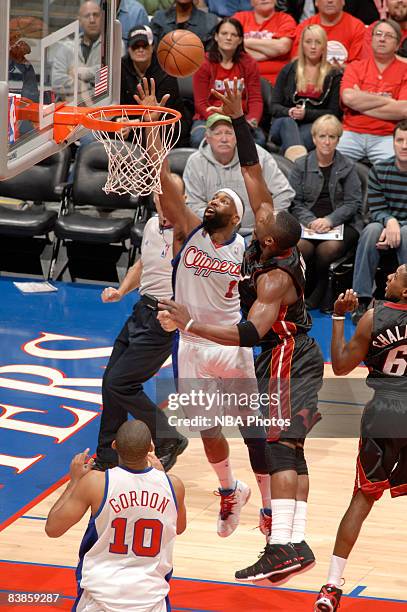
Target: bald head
[133, 441]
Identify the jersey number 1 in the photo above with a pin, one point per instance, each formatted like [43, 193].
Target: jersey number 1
[229, 292]
[147, 534]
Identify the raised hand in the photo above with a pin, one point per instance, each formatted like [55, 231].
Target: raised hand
[346, 302]
[146, 96]
[231, 101]
[81, 464]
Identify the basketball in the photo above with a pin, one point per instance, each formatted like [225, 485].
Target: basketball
[180, 53]
[25, 27]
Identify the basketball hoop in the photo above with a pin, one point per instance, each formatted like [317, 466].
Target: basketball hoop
[136, 148]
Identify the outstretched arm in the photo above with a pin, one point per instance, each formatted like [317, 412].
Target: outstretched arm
[249, 160]
[172, 200]
[346, 356]
[272, 289]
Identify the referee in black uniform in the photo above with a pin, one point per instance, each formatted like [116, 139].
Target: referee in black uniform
[139, 351]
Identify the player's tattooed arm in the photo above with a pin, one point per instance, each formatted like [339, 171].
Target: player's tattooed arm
[346, 356]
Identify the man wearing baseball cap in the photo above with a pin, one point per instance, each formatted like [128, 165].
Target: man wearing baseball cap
[141, 61]
[216, 164]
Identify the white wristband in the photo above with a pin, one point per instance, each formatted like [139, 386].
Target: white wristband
[336, 317]
[188, 325]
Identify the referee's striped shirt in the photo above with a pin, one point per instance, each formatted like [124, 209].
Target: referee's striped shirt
[387, 192]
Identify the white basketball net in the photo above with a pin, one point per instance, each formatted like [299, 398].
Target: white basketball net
[135, 158]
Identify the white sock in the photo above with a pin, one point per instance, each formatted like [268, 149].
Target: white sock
[336, 570]
[283, 517]
[224, 472]
[263, 482]
[300, 519]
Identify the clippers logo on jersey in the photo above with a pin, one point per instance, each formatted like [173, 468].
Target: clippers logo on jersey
[204, 264]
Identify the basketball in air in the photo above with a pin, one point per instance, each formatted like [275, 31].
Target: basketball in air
[180, 53]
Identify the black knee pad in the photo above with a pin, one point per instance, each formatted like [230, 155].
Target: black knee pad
[257, 454]
[280, 458]
[302, 468]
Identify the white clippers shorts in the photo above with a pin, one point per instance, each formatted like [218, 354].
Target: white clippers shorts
[86, 603]
[224, 375]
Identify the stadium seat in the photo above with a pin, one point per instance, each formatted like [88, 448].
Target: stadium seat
[284, 164]
[91, 228]
[24, 229]
[178, 158]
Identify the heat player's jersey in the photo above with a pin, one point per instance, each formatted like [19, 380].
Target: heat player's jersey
[126, 553]
[291, 320]
[387, 355]
[206, 277]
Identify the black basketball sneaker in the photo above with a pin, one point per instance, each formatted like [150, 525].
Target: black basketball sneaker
[306, 558]
[275, 559]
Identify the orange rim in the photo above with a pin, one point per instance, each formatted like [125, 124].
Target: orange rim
[89, 117]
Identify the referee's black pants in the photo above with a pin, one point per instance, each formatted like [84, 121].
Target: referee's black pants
[138, 353]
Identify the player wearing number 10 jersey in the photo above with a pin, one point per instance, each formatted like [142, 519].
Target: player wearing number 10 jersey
[125, 559]
[380, 341]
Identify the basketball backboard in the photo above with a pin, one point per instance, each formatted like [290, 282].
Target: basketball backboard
[54, 53]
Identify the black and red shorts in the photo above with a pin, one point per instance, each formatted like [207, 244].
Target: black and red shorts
[382, 457]
[291, 373]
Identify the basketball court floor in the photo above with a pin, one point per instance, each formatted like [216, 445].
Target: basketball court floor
[53, 350]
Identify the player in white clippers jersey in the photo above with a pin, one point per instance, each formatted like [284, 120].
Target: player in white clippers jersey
[125, 559]
[208, 256]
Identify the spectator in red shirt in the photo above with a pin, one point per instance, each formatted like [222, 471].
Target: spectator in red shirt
[268, 36]
[345, 33]
[397, 10]
[225, 60]
[374, 93]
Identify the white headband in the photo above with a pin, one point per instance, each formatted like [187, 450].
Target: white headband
[236, 199]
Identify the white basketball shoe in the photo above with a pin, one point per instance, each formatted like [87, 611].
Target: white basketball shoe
[231, 504]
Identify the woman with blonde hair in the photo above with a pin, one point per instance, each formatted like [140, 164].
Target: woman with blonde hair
[328, 194]
[305, 89]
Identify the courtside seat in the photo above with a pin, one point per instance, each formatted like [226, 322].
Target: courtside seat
[92, 221]
[25, 228]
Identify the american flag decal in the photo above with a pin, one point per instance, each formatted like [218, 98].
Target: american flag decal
[101, 80]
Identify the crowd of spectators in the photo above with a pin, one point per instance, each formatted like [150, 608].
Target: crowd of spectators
[337, 76]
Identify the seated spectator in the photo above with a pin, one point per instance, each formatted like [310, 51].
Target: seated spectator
[328, 194]
[268, 36]
[216, 165]
[128, 13]
[89, 61]
[345, 33]
[366, 10]
[141, 61]
[306, 89]
[226, 8]
[397, 10]
[226, 59]
[387, 198]
[183, 15]
[374, 94]
[298, 9]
